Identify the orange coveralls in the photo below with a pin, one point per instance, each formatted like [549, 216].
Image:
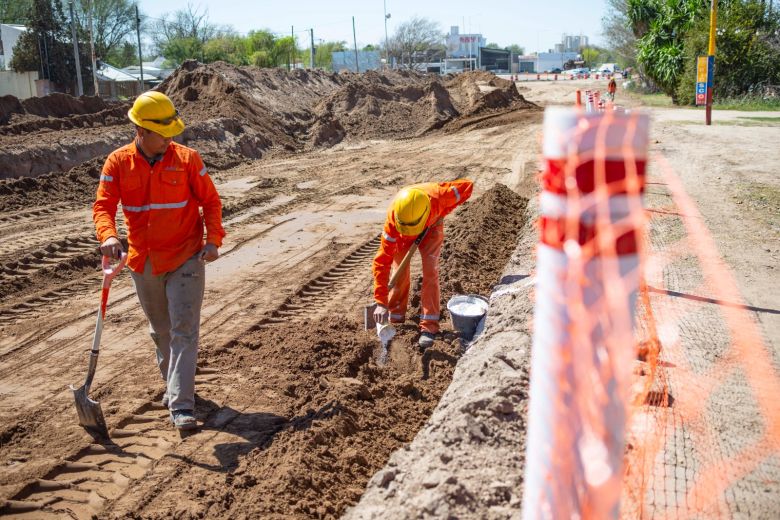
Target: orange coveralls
[160, 204]
[445, 197]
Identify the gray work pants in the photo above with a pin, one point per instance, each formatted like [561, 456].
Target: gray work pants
[172, 302]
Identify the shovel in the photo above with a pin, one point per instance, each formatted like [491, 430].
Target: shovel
[90, 413]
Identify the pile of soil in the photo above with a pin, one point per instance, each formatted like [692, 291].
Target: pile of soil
[346, 413]
[58, 112]
[478, 242]
[77, 186]
[235, 114]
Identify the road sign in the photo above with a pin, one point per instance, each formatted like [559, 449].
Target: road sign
[705, 70]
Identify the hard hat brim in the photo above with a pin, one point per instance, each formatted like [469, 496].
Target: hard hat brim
[172, 129]
[408, 231]
[412, 231]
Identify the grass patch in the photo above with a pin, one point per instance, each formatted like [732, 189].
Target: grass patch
[762, 118]
[763, 200]
[747, 103]
[654, 100]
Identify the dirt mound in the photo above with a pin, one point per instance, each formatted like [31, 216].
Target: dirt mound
[301, 109]
[24, 114]
[77, 186]
[477, 245]
[373, 106]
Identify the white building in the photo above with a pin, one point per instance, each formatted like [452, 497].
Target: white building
[548, 61]
[463, 45]
[572, 43]
[9, 33]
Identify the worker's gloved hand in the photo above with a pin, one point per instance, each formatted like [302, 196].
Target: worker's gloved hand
[111, 248]
[381, 314]
[209, 253]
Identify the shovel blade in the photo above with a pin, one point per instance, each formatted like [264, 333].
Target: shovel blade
[90, 413]
[368, 317]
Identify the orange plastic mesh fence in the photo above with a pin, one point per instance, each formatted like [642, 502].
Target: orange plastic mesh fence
[704, 437]
[653, 392]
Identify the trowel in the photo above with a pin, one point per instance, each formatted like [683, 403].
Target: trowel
[90, 413]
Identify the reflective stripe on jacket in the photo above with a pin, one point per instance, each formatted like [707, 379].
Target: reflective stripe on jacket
[445, 197]
[161, 206]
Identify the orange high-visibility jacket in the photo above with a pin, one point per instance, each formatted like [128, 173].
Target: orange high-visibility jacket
[445, 197]
[160, 204]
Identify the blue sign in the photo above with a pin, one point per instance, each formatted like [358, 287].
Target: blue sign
[710, 70]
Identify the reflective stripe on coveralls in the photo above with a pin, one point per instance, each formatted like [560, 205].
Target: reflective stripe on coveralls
[430, 249]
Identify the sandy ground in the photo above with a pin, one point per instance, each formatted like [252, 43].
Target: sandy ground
[305, 221]
[285, 372]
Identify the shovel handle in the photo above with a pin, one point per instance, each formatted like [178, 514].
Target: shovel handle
[408, 257]
[109, 271]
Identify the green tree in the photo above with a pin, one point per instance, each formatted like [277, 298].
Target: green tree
[15, 11]
[492, 45]
[746, 56]
[229, 47]
[618, 34]
[515, 49]
[183, 34]
[323, 53]
[47, 47]
[661, 27]
[113, 23]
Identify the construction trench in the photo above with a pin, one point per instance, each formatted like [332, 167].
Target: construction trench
[296, 414]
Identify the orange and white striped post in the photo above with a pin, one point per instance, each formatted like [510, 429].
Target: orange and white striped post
[587, 281]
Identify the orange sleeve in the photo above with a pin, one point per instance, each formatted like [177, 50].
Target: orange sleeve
[208, 198]
[383, 262]
[107, 200]
[454, 194]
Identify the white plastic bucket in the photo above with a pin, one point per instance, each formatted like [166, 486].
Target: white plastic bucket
[466, 311]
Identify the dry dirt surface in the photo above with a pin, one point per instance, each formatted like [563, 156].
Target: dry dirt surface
[296, 415]
[298, 420]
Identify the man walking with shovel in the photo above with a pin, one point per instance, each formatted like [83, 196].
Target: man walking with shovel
[162, 185]
[415, 219]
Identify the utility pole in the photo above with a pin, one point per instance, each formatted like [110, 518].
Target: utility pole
[354, 39]
[140, 55]
[387, 51]
[92, 49]
[311, 54]
[80, 86]
[292, 53]
[711, 60]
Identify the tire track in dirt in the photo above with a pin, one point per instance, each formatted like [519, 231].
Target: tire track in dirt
[82, 484]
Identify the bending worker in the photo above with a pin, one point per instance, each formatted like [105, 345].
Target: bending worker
[162, 185]
[417, 209]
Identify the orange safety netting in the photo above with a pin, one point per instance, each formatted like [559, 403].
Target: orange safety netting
[653, 393]
[704, 437]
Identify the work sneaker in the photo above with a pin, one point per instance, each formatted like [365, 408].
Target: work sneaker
[426, 339]
[183, 419]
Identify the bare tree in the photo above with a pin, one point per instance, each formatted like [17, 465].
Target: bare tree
[186, 24]
[618, 33]
[416, 41]
[113, 23]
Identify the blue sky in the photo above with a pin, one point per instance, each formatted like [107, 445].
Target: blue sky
[535, 25]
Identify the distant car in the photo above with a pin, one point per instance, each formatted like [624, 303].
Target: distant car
[556, 70]
[609, 68]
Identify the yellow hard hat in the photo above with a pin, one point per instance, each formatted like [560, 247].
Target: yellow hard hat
[411, 208]
[154, 111]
